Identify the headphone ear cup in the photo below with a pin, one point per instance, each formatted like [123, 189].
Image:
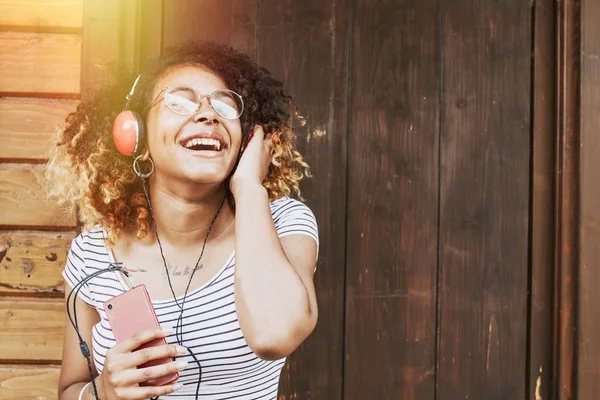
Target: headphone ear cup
[129, 133]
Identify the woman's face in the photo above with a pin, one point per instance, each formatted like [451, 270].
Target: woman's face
[184, 147]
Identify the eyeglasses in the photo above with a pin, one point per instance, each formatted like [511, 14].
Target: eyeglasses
[183, 100]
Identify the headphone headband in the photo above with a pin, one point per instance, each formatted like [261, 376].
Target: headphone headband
[132, 91]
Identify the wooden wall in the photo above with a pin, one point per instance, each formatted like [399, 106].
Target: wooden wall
[40, 69]
[52, 52]
[455, 183]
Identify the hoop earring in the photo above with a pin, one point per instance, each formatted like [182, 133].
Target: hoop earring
[138, 171]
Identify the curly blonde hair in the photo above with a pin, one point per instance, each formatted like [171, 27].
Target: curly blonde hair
[85, 169]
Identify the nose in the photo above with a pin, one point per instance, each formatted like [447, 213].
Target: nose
[206, 113]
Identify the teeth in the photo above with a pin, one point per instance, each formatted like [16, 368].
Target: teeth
[204, 142]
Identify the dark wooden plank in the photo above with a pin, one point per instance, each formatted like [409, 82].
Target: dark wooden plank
[31, 262]
[567, 199]
[304, 44]
[392, 220]
[233, 22]
[243, 35]
[197, 20]
[588, 380]
[485, 178]
[541, 368]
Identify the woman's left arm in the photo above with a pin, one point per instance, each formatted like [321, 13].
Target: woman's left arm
[274, 291]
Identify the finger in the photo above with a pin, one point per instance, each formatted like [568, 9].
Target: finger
[259, 132]
[140, 338]
[142, 356]
[148, 392]
[133, 376]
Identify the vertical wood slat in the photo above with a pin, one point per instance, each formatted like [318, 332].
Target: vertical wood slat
[232, 23]
[567, 198]
[393, 166]
[485, 168]
[111, 42]
[588, 325]
[541, 369]
[151, 23]
[314, 71]
[197, 20]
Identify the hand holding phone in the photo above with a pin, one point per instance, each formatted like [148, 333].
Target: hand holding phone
[141, 343]
[122, 377]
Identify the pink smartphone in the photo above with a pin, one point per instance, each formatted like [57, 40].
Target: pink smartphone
[130, 313]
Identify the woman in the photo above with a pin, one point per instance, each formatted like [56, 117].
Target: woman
[201, 216]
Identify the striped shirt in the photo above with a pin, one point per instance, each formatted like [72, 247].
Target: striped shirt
[230, 370]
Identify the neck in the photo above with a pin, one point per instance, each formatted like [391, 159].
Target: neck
[184, 220]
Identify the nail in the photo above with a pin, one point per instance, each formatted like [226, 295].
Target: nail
[168, 331]
[181, 365]
[181, 350]
[177, 386]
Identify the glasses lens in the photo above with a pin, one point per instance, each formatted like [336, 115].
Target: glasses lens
[227, 104]
[181, 100]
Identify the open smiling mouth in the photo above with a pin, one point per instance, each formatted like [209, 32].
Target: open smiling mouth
[199, 144]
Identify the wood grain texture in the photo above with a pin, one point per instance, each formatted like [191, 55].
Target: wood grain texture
[32, 262]
[485, 180]
[541, 367]
[111, 42]
[31, 330]
[232, 23]
[588, 368]
[197, 20]
[149, 26]
[41, 13]
[393, 166]
[567, 211]
[314, 71]
[22, 382]
[27, 126]
[40, 63]
[23, 201]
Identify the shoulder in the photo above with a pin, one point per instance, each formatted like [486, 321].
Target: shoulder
[87, 240]
[285, 205]
[292, 216]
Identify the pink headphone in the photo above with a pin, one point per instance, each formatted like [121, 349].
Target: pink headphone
[129, 132]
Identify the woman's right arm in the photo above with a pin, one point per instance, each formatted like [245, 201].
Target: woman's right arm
[74, 372]
[121, 376]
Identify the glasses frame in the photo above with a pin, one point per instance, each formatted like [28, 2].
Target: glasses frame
[199, 97]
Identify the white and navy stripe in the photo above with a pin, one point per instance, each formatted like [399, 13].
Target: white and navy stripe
[230, 370]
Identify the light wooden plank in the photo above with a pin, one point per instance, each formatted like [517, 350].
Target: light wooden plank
[23, 201]
[39, 62]
[41, 13]
[27, 382]
[31, 329]
[27, 126]
[32, 262]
